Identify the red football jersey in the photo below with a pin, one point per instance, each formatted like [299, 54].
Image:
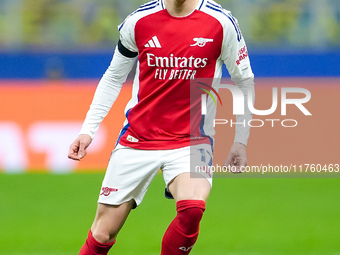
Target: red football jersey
[172, 52]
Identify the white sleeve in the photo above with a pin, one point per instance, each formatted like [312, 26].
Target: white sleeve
[235, 57]
[107, 91]
[127, 33]
[234, 51]
[242, 129]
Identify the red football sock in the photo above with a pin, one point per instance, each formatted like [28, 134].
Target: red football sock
[93, 247]
[182, 233]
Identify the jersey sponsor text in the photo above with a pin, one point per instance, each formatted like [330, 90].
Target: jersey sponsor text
[170, 66]
[176, 62]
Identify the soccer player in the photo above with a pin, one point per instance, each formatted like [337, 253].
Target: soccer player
[176, 42]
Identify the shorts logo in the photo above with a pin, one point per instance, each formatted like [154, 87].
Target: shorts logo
[106, 191]
[201, 42]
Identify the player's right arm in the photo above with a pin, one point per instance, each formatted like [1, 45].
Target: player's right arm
[108, 89]
[106, 93]
[78, 148]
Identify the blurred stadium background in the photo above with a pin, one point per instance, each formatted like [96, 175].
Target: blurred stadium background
[52, 55]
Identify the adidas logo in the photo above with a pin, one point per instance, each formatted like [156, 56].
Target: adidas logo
[153, 43]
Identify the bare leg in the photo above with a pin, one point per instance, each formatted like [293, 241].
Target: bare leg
[190, 195]
[108, 221]
[185, 186]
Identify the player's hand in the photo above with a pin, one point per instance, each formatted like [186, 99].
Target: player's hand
[237, 158]
[78, 147]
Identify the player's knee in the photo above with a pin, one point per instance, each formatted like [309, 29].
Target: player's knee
[189, 214]
[103, 236]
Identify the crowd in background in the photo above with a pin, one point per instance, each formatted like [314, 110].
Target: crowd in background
[80, 24]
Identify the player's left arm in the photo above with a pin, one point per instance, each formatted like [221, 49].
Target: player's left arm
[236, 59]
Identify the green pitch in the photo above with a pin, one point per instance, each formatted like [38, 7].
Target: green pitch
[45, 214]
